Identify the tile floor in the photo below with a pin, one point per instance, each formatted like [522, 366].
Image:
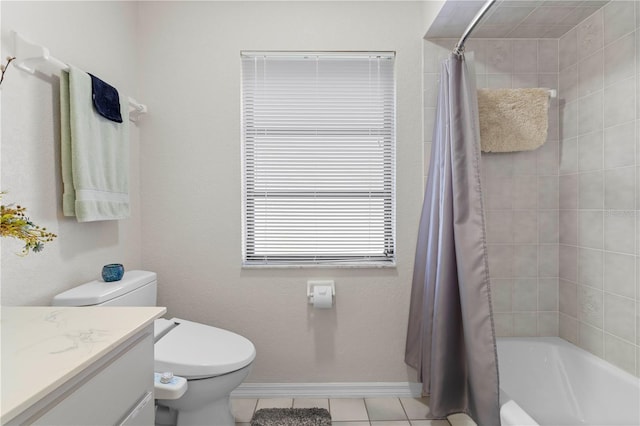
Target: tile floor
[347, 411]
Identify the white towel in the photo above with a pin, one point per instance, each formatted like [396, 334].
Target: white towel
[513, 119]
[95, 154]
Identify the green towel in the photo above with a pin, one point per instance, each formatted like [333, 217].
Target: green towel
[95, 154]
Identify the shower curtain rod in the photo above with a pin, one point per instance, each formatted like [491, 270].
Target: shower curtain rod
[476, 19]
[29, 54]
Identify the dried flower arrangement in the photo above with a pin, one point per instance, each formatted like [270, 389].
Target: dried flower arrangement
[14, 223]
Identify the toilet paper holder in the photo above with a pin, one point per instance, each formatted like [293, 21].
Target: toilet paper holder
[320, 283]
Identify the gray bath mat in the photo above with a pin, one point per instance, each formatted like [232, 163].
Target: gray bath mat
[291, 417]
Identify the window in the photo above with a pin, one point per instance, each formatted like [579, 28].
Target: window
[318, 158]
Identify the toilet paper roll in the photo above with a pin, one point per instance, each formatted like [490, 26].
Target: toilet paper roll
[322, 297]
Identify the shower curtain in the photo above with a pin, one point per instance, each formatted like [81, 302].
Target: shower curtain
[450, 337]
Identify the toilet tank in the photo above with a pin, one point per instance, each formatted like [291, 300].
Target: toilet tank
[136, 288]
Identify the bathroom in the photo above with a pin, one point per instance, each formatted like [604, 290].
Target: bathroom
[563, 242]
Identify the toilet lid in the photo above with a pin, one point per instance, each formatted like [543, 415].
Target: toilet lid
[195, 350]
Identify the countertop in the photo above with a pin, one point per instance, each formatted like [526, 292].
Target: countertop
[43, 347]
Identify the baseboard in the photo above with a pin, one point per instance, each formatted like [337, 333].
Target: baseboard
[328, 390]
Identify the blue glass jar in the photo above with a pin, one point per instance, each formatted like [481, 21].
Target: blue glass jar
[112, 272]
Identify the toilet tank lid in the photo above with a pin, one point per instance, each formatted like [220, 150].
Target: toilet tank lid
[99, 291]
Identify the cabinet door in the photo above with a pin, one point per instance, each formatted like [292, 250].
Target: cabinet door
[112, 395]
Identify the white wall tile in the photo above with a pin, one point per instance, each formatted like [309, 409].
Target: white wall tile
[619, 106]
[525, 324]
[525, 226]
[499, 81]
[568, 224]
[568, 120]
[619, 17]
[619, 274]
[591, 339]
[591, 190]
[590, 306]
[568, 192]
[525, 294]
[619, 231]
[525, 192]
[548, 260]
[548, 157]
[590, 35]
[525, 56]
[548, 192]
[619, 145]
[590, 267]
[568, 328]
[568, 298]
[525, 163]
[525, 261]
[568, 266]
[590, 112]
[499, 56]
[590, 74]
[525, 81]
[620, 188]
[620, 317]
[548, 231]
[590, 229]
[500, 260]
[590, 151]
[568, 83]
[619, 59]
[548, 294]
[568, 49]
[620, 353]
[548, 56]
[500, 226]
[548, 324]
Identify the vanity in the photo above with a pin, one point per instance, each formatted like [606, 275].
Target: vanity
[77, 365]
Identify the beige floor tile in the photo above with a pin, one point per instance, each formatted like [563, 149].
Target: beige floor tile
[385, 409]
[350, 424]
[243, 408]
[430, 423]
[243, 424]
[274, 403]
[311, 403]
[391, 423]
[347, 409]
[416, 408]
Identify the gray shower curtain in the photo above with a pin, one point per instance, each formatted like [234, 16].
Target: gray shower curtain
[450, 337]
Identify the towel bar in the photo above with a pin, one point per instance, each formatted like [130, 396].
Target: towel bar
[30, 55]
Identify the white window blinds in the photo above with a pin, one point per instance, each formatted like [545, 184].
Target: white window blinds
[319, 158]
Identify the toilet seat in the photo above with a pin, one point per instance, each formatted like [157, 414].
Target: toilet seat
[193, 350]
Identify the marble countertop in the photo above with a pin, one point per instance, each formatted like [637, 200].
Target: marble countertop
[43, 347]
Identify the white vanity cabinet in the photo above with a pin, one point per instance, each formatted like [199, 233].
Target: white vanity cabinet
[82, 370]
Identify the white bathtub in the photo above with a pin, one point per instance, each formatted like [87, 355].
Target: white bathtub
[548, 381]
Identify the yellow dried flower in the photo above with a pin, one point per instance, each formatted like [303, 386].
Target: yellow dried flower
[14, 223]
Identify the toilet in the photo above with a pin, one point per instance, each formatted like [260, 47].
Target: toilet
[214, 361]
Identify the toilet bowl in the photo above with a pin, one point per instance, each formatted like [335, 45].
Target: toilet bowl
[214, 361]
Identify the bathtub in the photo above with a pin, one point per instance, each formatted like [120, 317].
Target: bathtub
[548, 381]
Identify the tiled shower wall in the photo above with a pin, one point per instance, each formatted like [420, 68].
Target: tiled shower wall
[520, 189]
[570, 209]
[599, 290]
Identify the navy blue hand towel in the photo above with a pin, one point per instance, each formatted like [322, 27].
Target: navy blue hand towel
[105, 99]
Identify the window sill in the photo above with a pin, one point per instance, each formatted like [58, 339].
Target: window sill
[373, 265]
